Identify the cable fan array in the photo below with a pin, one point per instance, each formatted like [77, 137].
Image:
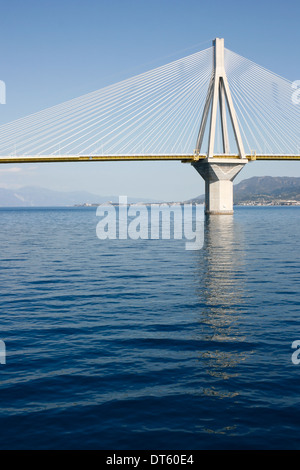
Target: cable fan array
[268, 118]
[159, 112]
[155, 112]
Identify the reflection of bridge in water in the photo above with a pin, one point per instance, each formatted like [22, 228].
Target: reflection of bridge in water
[222, 262]
[222, 291]
[171, 113]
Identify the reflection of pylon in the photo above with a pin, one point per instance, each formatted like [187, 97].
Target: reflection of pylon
[219, 91]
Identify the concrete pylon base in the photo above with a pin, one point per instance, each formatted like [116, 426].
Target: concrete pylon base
[219, 174]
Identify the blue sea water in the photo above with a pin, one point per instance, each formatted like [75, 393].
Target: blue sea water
[141, 344]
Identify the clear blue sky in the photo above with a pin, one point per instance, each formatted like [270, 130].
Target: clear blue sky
[55, 50]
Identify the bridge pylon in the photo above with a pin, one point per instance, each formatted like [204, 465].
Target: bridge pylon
[219, 171]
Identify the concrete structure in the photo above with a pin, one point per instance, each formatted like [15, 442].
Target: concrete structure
[219, 172]
[219, 176]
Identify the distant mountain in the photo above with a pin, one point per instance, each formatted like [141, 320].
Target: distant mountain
[41, 197]
[267, 188]
[259, 189]
[264, 189]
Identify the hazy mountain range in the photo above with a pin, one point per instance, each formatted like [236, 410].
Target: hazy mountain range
[267, 188]
[40, 197]
[256, 189]
[264, 189]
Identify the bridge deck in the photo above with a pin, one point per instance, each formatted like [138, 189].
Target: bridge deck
[113, 158]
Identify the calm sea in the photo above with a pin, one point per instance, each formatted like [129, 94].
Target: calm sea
[124, 344]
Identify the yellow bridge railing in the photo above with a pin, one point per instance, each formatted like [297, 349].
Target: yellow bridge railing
[118, 158]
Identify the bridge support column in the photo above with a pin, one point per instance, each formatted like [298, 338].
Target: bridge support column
[219, 175]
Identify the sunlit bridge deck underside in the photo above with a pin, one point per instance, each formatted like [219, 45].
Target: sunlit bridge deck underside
[125, 158]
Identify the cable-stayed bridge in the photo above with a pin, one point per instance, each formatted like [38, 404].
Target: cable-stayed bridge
[214, 109]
